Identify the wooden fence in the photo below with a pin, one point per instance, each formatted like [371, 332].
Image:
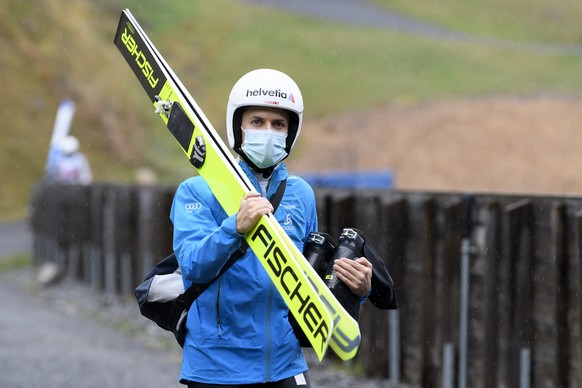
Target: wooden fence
[524, 274]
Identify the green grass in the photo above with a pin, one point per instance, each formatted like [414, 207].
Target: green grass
[16, 262]
[55, 50]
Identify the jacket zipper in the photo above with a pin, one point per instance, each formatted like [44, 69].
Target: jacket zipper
[268, 343]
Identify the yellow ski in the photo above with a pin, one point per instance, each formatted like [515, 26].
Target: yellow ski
[319, 314]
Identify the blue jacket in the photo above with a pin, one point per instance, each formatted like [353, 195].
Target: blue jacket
[238, 329]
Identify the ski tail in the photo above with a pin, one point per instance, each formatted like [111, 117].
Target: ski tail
[198, 114]
[138, 57]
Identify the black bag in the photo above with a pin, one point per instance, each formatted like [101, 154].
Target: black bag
[320, 251]
[352, 244]
[161, 296]
[383, 295]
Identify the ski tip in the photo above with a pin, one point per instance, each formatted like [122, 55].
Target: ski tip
[127, 13]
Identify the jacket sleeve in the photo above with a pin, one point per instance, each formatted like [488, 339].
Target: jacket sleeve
[204, 236]
[382, 295]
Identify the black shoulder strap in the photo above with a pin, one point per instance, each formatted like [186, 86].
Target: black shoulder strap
[194, 291]
[276, 198]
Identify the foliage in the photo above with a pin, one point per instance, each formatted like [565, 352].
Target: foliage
[15, 262]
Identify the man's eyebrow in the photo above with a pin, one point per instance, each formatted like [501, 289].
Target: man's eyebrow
[260, 117]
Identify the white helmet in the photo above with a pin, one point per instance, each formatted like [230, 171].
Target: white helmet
[264, 87]
[68, 145]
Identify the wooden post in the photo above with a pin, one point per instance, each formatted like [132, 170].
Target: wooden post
[109, 230]
[417, 304]
[95, 265]
[488, 243]
[518, 286]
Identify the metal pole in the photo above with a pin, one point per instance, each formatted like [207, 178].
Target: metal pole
[467, 203]
[463, 323]
[394, 346]
[525, 368]
[448, 365]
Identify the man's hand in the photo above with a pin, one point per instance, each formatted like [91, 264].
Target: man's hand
[356, 274]
[252, 207]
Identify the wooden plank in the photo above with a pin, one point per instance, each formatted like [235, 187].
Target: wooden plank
[518, 286]
[488, 250]
[418, 281]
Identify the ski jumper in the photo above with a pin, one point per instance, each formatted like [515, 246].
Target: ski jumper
[74, 169]
[238, 331]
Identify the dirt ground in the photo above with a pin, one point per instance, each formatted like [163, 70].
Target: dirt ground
[502, 144]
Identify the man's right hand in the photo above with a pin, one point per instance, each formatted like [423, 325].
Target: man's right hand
[252, 207]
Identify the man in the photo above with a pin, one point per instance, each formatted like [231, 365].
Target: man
[238, 330]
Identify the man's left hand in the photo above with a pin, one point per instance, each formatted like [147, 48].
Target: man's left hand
[356, 274]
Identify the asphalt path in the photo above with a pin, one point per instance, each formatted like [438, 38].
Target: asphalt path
[366, 13]
[15, 239]
[46, 341]
[359, 12]
[44, 346]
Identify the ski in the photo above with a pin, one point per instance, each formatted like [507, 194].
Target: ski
[319, 314]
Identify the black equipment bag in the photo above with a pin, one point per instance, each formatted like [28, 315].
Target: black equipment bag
[320, 250]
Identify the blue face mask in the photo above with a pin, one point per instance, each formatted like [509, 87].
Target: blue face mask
[264, 147]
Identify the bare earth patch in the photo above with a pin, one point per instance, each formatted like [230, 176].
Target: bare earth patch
[496, 144]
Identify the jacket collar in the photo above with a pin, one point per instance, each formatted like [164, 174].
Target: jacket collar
[278, 175]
